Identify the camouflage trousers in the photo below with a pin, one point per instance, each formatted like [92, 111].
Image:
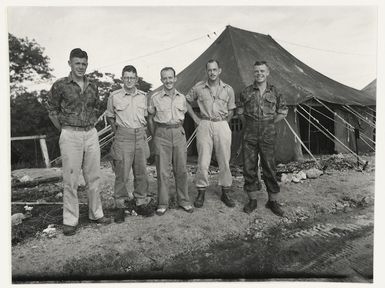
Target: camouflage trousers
[259, 140]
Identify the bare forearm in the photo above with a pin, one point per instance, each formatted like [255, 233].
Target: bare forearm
[112, 122]
[194, 116]
[151, 125]
[230, 115]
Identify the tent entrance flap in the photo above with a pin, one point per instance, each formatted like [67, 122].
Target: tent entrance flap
[316, 141]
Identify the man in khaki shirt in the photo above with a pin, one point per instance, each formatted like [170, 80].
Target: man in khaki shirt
[127, 112]
[216, 102]
[167, 109]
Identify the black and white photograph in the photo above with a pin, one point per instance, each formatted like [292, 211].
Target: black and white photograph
[197, 143]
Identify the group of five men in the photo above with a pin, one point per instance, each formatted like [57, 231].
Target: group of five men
[72, 106]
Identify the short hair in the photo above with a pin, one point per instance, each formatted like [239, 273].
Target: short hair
[79, 53]
[259, 63]
[213, 61]
[129, 68]
[166, 69]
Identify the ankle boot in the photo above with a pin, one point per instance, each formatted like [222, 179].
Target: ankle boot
[226, 197]
[198, 203]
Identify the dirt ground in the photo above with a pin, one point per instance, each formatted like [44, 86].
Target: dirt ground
[139, 245]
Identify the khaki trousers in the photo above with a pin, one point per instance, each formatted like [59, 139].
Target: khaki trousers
[215, 135]
[80, 151]
[171, 151]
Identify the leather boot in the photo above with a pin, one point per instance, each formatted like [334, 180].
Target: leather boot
[226, 197]
[198, 203]
[250, 206]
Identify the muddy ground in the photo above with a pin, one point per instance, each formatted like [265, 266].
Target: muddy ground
[215, 242]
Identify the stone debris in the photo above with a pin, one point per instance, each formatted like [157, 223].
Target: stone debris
[25, 178]
[59, 195]
[17, 218]
[313, 173]
[50, 231]
[298, 177]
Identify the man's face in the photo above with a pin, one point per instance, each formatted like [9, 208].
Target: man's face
[78, 66]
[260, 73]
[129, 79]
[213, 71]
[168, 79]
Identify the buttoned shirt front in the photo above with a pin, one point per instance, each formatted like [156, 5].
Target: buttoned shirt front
[166, 108]
[128, 109]
[213, 105]
[255, 106]
[72, 106]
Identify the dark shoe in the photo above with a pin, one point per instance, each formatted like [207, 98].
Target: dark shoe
[69, 230]
[198, 203]
[120, 215]
[275, 208]
[250, 206]
[226, 198]
[103, 221]
[160, 211]
[187, 208]
[146, 210]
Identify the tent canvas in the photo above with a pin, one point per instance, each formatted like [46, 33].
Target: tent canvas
[236, 50]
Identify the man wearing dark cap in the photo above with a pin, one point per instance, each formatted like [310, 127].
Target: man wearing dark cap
[72, 106]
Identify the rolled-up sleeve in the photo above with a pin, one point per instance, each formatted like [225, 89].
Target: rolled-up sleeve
[110, 107]
[151, 105]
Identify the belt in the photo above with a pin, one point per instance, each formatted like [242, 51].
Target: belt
[78, 128]
[132, 129]
[168, 126]
[212, 119]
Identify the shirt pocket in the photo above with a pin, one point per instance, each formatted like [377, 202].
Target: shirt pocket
[120, 105]
[179, 111]
[269, 104]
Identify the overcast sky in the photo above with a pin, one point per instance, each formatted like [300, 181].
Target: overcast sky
[338, 41]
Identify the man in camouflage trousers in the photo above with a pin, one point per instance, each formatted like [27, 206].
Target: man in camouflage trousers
[260, 106]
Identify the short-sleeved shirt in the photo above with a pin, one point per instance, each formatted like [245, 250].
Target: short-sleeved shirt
[255, 106]
[72, 106]
[213, 106]
[167, 109]
[128, 109]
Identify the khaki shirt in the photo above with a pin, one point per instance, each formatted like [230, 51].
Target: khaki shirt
[129, 110]
[210, 105]
[167, 109]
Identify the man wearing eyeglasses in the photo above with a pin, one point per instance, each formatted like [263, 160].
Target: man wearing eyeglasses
[260, 106]
[126, 113]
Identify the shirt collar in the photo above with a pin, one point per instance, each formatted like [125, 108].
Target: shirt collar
[268, 86]
[221, 83]
[128, 94]
[71, 79]
[164, 93]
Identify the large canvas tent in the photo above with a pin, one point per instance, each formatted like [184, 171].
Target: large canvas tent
[302, 86]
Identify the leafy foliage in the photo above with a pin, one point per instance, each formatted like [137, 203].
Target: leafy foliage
[27, 62]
